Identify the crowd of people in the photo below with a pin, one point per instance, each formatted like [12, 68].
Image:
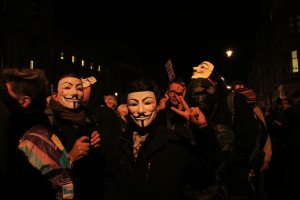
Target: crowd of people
[188, 141]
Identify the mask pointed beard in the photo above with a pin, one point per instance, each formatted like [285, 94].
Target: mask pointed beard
[142, 123]
[75, 105]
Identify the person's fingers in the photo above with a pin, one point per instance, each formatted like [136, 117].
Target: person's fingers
[83, 139]
[179, 112]
[185, 105]
[166, 96]
[94, 143]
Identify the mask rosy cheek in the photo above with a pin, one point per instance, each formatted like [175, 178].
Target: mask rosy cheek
[131, 110]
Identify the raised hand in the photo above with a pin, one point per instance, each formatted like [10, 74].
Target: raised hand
[193, 114]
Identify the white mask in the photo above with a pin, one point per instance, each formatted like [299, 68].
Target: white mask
[70, 92]
[142, 107]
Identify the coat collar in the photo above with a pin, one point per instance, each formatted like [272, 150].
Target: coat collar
[156, 140]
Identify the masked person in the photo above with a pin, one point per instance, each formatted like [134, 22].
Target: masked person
[39, 168]
[155, 162]
[207, 90]
[78, 136]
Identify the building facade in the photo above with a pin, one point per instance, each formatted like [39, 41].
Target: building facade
[30, 38]
[275, 71]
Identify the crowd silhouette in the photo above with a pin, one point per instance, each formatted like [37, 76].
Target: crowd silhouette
[186, 141]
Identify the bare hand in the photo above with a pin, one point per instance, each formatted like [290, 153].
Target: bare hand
[193, 114]
[80, 148]
[95, 139]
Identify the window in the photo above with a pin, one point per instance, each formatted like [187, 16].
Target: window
[295, 62]
[31, 64]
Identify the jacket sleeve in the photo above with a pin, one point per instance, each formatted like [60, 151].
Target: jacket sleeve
[244, 127]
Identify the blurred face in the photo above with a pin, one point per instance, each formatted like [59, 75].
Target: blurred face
[239, 86]
[110, 101]
[123, 111]
[70, 92]
[175, 90]
[142, 107]
[202, 94]
[285, 104]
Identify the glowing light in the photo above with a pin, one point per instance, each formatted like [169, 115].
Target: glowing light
[229, 53]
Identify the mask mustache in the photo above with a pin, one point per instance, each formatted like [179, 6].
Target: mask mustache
[141, 115]
[72, 97]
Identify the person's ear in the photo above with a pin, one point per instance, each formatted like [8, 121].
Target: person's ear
[25, 101]
[54, 96]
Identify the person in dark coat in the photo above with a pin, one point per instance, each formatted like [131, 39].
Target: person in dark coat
[79, 137]
[176, 89]
[155, 162]
[236, 131]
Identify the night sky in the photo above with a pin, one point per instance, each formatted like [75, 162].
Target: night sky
[187, 32]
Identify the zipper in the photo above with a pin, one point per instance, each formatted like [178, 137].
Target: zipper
[148, 171]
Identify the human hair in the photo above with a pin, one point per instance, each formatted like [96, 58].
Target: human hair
[143, 84]
[65, 75]
[237, 83]
[177, 80]
[27, 82]
[113, 97]
[110, 95]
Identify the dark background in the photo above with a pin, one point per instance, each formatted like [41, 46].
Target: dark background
[187, 32]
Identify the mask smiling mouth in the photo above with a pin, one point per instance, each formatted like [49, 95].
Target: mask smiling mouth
[142, 116]
[73, 100]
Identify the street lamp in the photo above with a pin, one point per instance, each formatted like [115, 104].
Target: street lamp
[229, 53]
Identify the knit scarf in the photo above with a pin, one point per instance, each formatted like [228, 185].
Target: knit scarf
[76, 116]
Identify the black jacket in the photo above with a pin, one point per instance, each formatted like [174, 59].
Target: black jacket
[167, 162]
[87, 171]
